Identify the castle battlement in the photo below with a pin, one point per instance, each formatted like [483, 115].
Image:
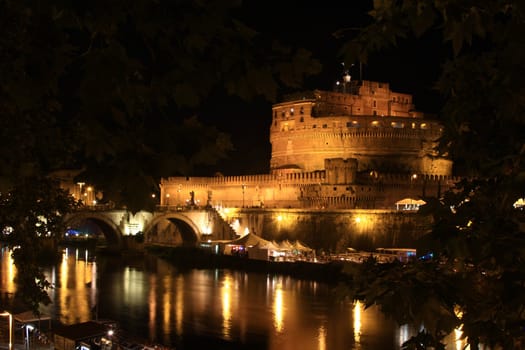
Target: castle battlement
[362, 146]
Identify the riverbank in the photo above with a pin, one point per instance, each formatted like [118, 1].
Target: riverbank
[328, 272]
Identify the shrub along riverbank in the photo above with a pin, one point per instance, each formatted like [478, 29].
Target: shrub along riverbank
[329, 272]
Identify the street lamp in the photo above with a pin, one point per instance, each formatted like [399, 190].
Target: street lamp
[5, 313]
[28, 328]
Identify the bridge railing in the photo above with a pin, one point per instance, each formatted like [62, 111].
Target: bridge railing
[97, 207]
[163, 208]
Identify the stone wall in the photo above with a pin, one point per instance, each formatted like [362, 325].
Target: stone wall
[334, 231]
[315, 190]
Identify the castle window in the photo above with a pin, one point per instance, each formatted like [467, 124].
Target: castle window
[325, 126]
[291, 111]
[375, 103]
[375, 112]
[335, 188]
[282, 114]
[314, 126]
[275, 114]
[301, 111]
[301, 119]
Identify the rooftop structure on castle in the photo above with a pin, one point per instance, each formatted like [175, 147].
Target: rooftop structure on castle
[361, 146]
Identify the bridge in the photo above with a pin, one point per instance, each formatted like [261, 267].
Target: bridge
[172, 226]
[321, 229]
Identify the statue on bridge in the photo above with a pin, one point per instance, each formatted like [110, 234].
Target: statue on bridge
[192, 198]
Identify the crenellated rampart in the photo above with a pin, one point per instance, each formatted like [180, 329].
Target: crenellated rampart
[285, 178]
[360, 148]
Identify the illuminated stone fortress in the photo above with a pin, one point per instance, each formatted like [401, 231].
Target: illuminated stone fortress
[362, 146]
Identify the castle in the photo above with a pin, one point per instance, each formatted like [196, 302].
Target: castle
[362, 146]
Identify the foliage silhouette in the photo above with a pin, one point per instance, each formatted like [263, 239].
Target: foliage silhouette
[476, 277]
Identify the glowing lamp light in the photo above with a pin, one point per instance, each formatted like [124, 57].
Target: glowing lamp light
[5, 313]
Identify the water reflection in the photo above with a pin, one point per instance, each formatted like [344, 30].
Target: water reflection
[226, 306]
[278, 308]
[160, 303]
[8, 272]
[358, 308]
[77, 277]
[322, 338]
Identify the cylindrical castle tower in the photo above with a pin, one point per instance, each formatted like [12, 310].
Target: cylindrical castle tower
[366, 121]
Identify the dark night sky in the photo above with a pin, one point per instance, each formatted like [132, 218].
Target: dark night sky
[409, 68]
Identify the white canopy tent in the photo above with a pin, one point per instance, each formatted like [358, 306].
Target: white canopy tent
[409, 204]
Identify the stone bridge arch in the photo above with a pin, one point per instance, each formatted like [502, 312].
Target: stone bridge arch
[176, 228]
[107, 225]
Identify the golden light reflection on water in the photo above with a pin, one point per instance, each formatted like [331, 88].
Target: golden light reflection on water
[278, 308]
[167, 302]
[8, 271]
[226, 306]
[356, 313]
[152, 304]
[322, 338]
[179, 303]
[76, 278]
[286, 313]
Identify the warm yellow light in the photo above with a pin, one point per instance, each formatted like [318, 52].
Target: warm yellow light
[279, 218]
[358, 308]
[226, 298]
[278, 309]
[358, 219]
[322, 338]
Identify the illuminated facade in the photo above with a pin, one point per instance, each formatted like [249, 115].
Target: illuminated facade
[362, 147]
[366, 124]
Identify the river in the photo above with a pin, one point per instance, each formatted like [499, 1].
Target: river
[156, 302]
